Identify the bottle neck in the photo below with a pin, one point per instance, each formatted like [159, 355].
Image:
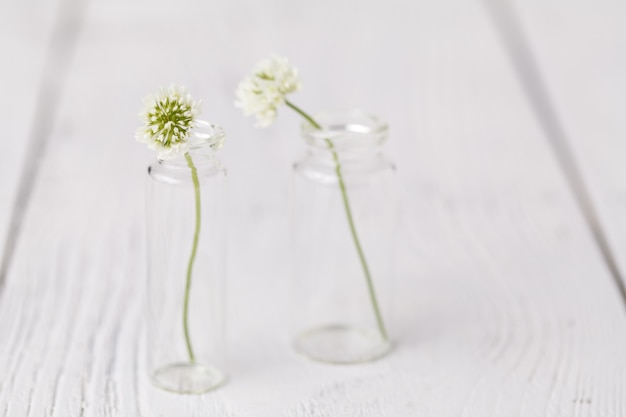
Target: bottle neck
[203, 157]
[352, 156]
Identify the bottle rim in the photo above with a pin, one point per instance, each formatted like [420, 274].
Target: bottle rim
[346, 130]
[207, 134]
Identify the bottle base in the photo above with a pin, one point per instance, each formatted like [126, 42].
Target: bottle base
[187, 378]
[339, 344]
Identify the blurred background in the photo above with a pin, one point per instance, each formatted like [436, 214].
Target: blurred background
[472, 91]
[467, 124]
[441, 73]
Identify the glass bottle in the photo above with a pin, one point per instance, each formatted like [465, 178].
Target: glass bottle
[186, 228]
[344, 207]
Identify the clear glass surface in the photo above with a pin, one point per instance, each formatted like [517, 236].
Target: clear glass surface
[171, 225]
[336, 319]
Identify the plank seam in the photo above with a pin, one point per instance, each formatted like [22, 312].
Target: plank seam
[509, 27]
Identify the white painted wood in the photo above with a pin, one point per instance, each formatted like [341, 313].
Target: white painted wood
[581, 49]
[25, 31]
[504, 307]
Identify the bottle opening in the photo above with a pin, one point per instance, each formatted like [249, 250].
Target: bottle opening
[351, 130]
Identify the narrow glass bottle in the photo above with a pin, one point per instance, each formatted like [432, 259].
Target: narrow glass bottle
[186, 227]
[343, 229]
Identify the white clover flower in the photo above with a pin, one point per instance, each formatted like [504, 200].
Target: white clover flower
[168, 119]
[265, 89]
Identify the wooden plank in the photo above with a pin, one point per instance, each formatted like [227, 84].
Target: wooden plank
[25, 32]
[522, 57]
[504, 307]
[580, 49]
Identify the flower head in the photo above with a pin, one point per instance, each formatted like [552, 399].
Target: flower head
[168, 119]
[265, 89]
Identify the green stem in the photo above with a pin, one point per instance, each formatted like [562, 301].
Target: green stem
[355, 237]
[192, 257]
[303, 114]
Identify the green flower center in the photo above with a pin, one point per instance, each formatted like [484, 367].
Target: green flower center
[170, 121]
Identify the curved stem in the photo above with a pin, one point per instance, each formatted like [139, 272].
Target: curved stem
[192, 257]
[355, 237]
[303, 114]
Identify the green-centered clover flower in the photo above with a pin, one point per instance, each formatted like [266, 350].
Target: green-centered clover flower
[168, 119]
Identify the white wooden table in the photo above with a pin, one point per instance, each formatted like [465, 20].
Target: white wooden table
[505, 308]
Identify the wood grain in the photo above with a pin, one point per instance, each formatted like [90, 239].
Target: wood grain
[504, 306]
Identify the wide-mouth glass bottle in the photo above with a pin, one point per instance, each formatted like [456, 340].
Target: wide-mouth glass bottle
[344, 212]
